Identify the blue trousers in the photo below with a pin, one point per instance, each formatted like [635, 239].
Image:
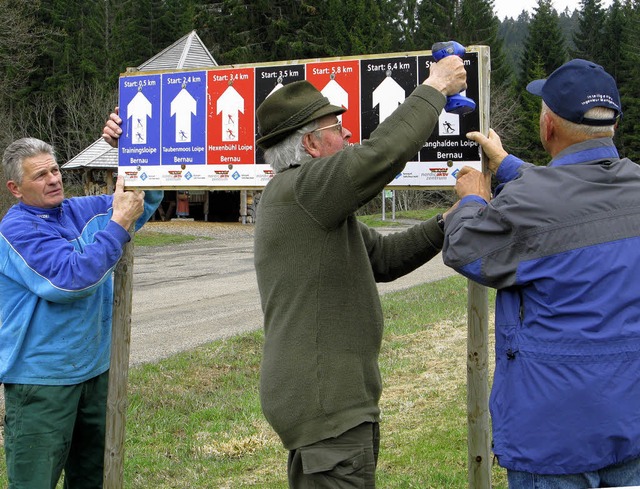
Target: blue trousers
[620, 475]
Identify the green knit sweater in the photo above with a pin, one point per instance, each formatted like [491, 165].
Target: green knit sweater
[317, 268]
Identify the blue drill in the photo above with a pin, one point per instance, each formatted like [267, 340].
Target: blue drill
[456, 104]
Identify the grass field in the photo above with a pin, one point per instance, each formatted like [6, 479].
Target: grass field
[194, 420]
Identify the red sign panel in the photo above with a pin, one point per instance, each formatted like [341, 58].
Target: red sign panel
[230, 120]
[339, 81]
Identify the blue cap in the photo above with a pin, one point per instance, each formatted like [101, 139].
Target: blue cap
[576, 87]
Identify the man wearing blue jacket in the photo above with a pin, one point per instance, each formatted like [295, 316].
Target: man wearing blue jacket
[57, 256]
[561, 244]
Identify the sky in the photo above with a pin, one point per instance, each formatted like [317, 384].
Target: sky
[512, 8]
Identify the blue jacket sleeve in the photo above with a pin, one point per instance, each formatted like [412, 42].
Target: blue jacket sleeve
[152, 199]
[510, 169]
[70, 253]
[478, 232]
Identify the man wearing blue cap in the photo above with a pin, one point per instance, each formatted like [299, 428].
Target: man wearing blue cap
[561, 244]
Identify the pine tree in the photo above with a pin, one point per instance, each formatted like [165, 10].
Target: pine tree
[402, 19]
[544, 44]
[59, 63]
[21, 40]
[355, 28]
[544, 51]
[627, 73]
[436, 22]
[568, 21]
[615, 33]
[513, 33]
[527, 142]
[235, 30]
[368, 32]
[478, 24]
[589, 37]
[175, 21]
[135, 31]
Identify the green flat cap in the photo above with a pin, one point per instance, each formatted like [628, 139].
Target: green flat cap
[289, 108]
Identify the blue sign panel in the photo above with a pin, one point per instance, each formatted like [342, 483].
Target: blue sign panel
[139, 144]
[184, 116]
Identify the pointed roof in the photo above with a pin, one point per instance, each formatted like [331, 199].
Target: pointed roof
[99, 154]
[187, 52]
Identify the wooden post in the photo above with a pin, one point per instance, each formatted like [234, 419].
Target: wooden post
[119, 370]
[243, 206]
[479, 435]
[479, 439]
[393, 205]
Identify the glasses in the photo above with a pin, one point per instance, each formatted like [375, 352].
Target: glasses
[337, 125]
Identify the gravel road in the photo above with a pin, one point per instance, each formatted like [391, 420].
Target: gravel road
[191, 294]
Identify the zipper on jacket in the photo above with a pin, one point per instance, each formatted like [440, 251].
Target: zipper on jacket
[511, 352]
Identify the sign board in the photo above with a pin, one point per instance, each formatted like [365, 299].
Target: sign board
[197, 129]
[339, 81]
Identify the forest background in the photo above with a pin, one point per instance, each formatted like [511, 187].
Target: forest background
[60, 60]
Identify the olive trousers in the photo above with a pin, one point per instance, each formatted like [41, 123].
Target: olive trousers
[51, 428]
[346, 462]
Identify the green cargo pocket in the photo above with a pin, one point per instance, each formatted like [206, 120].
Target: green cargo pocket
[345, 463]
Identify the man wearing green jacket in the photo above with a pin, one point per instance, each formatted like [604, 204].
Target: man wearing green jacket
[317, 269]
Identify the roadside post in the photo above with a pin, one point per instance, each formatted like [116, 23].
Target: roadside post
[479, 435]
[479, 439]
[195, 129]
[119, 371]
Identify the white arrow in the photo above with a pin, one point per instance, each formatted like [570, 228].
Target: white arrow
[183, 106]
[388, 95]
[230, 103]
[138, 110]
[275, 89]
[336, 95]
